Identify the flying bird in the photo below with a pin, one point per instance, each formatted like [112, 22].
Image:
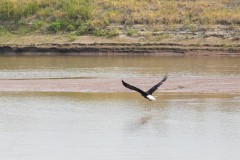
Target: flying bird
[149, 93]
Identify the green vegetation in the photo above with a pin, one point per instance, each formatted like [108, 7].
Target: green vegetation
[3, 31]
[112, 17]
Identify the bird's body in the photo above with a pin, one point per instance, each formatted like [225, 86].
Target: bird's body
[148, 94]
[151, 98]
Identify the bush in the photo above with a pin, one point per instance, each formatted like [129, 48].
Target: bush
[71, 27]
[82, 29]
[99, 32]
[55, 26]
[37, 24]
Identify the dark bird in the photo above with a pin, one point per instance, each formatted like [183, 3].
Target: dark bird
[149, 93]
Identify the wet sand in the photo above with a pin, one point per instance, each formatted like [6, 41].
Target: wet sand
[225, 85]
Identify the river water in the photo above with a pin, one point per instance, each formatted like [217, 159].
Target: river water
[116, 66]
[117, 126]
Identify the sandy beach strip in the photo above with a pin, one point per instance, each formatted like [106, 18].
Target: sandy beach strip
[226, 85]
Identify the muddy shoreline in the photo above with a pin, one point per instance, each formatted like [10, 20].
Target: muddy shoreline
[158, 49]
[206, 85]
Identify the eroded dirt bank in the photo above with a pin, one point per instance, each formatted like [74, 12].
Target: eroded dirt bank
[165, 49]
[227, 85]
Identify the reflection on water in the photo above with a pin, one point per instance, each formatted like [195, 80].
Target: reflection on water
[116, 126]
[119, 66]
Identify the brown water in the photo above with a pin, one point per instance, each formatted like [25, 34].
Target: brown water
[117, 126]
[117, 67]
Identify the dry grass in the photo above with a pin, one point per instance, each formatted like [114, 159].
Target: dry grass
[168, 11]
[19, 9]
[70, 15]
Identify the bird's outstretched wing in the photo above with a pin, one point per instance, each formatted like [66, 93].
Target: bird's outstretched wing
[133, 88]
[154, 88]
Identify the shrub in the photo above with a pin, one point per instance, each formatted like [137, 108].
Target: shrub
[55, 26]
[99, 32]
[71, 27]
[37, 24]
[82, 29]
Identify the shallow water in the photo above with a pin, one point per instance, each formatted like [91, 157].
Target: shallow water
[117, 67]
[116, 126]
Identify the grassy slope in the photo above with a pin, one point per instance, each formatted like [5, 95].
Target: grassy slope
[185, 21]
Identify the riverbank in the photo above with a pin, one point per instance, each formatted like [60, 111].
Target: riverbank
[156, 27]
[120, 45]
